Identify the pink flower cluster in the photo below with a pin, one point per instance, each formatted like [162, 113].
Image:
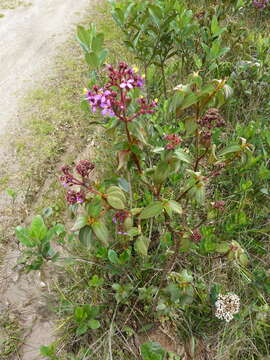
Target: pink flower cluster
[119, 219]
[174, 141]
[196, 236]
[83, 168]
[113, 98]
[101, 99]
[74, 197]
[260, 4]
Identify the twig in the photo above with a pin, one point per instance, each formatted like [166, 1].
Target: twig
[110, 334]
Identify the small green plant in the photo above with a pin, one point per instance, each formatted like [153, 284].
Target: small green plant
[37, 239]
[85, 317]
[152, 351]
[92, 44]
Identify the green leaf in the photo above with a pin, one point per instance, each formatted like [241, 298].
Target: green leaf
[83, 37]
[85, 236]
[101, 232]
[12, 193]
[182, 155]
[96, 281]
[94, 324]
[214, 25]
[141, 245]
[155, 14]
[115, 201]
[152, 351]
[175, 206]
[230, 149]
[113, 257]
[80, 222]
[162, 171]
[97, 42]
[152, 210]
[190, 124]
[92, 59]
[94, 208]
[116, 191]
[23, 236]
[82, 329]
[102, 56]
[124, 184]
[49, 351]
[223, 248]
[188, 101]
[38, 229]
[243, 259]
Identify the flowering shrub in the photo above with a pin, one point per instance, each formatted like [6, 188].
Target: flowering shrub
[178, 194]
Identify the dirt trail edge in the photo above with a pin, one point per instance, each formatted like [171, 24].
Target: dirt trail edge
[29, 37]
[29, 40]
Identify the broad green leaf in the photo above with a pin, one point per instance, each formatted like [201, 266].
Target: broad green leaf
[152, 210]
[92, 59]
[23, 236]
[190, 124]
[97, 42]
[188, 101]
[152, 351]
[83, 37]
[133, 232]
[116, 191]
[155, 14]
[175, 206]
[102, 56]
[182, 155]
[115, 201]
[124, 184]
[141, 245]
[94, 208]
[243, 259]
[81, 329]
[94, 324]
[200, 194]
[230, 149]
[223, 247]
[162, 171]
[80, 222]
[101, 232]
[85, 236]
[38, 229]
[113, 257]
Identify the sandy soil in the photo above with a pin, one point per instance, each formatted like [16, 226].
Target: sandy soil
[29, 39]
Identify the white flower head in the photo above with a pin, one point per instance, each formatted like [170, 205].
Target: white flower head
[226, 306]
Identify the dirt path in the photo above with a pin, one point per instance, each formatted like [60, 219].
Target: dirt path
[29, 39]
[29, 36]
